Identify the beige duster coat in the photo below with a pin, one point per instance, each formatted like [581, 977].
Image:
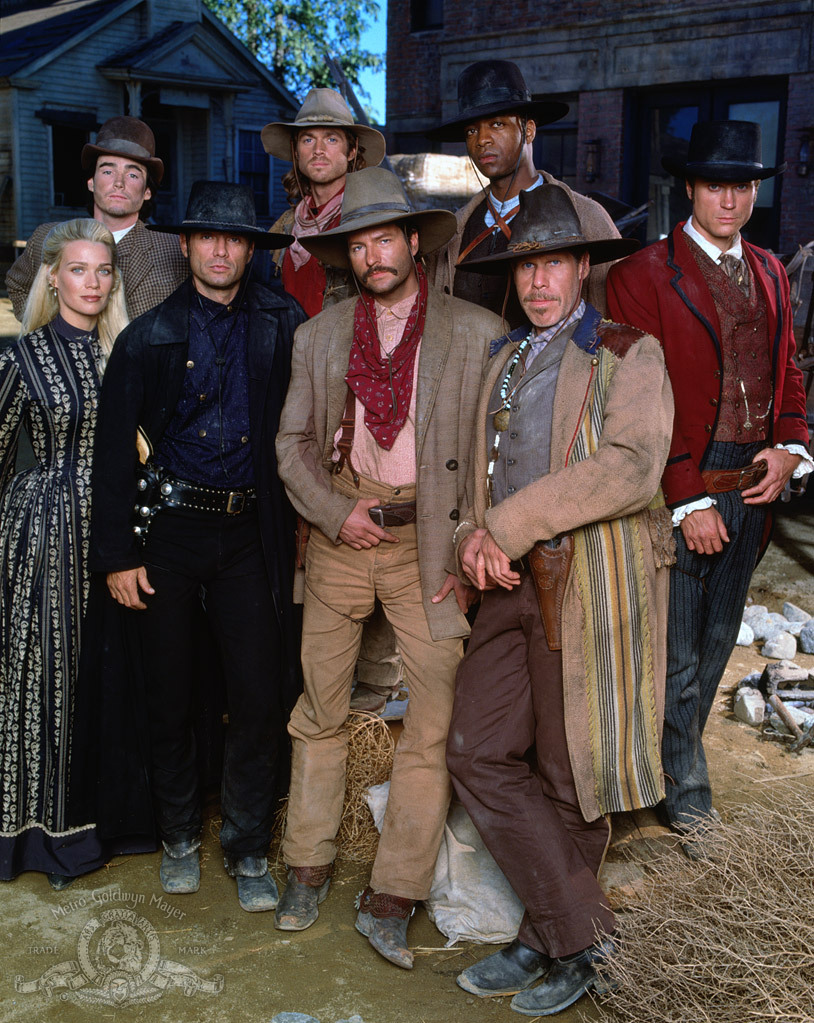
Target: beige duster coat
[620, 478]
[595, 222]
[454, 350]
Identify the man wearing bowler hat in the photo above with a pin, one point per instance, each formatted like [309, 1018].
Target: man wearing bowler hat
[569, 539]
[202, 378]
[497, 119]
[373, 447]
[123, 172]
[721, 307]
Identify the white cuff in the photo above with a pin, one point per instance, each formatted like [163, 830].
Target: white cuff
[805, 466]
[684, 509]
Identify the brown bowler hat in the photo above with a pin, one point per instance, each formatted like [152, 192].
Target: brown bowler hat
[127, 137]
[323, 108]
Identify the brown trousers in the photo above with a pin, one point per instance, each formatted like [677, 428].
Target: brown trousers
[341, 587]
[508, 715]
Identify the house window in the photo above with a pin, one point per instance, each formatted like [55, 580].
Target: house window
[254, 169]
[426, 15]
[69, 181]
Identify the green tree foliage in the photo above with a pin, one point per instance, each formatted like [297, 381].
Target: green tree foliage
[292, 37]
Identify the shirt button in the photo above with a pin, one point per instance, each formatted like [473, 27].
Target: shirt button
[452, 465]
[230, 308]
[190, 364]
[454, 514]
[244, 440]
[201, 433]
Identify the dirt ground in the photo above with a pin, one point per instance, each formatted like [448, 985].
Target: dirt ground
[232, 966]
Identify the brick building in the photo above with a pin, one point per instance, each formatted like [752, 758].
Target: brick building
[636, 74]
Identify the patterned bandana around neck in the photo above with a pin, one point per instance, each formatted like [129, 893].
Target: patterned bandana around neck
[308, 221]
[385, 385]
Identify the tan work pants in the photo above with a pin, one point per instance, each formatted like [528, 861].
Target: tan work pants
[341, 584]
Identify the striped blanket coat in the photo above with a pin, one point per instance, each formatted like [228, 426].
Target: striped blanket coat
[612, 423]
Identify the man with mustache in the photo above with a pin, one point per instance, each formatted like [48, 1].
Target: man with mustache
[202, 379]
[498, 120]
[373, 448]
[123, 172]
[565, 666]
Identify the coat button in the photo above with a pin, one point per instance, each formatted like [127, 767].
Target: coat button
[452, 464]
[244, 440]
[454, 514]
[708, 428]
[190, 364]
[713, 402]
[594, 361]
[201, 433]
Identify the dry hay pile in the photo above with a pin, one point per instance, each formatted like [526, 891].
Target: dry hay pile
[370, 760]
[730, 941]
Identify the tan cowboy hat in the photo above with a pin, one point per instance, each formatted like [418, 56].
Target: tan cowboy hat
[375, 196]
[323, 108]
[126, 137]
[547, 222]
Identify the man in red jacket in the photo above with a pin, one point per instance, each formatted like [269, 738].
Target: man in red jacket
[721, 308]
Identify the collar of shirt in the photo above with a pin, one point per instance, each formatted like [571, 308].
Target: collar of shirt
[711, 250]
[391, 321]
[118, 235]
[541, 339]
[510, 204]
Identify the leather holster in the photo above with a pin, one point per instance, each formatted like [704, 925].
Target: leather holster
[549, 568]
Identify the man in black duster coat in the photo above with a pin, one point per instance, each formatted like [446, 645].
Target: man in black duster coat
[202, 377]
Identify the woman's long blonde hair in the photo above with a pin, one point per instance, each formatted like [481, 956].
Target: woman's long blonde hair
[43, 304]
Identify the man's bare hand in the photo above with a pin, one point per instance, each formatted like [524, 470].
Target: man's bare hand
[359, 531]
[704, 531]
[465, 595]
[782, 464]
[127, 587]
[484, 563]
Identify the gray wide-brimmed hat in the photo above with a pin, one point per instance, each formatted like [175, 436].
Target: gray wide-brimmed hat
[127, 137]
[224, 206]
[723, 151]
[548, 222]
[323, 108]
[494, 87]
[375, 196]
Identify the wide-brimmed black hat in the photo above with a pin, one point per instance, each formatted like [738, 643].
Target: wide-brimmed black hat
[723, 151]
[548, 222]
[224, 206]
[375, 196]
[494, 87]
[129, 138]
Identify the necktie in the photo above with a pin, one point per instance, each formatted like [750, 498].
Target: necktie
[736, 270]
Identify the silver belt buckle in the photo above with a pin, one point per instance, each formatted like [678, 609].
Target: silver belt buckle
[377, 515]
[235, 502]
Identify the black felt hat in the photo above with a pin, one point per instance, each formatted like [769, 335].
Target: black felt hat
[548, 222]
[494, 87]
[723, 151]
[224, 206]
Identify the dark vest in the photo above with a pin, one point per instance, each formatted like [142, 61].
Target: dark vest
[487, 290]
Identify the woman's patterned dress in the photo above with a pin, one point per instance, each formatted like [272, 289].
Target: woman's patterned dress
[49, 383]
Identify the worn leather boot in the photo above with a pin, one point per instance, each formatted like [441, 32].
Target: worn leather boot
[306, 888]
[180, 871]
[567, 980]
[383, 920]
[59, 882]
[506, 972]
[256, 890]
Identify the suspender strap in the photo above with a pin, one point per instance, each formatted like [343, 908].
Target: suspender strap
[345, 442]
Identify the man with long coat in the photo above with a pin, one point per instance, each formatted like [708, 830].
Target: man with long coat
[567, 533]
[202, 379]
[721, 308]
[373, 448]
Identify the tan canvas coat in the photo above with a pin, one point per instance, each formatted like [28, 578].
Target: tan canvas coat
[621, 478]
[595, 222]
[454, 350]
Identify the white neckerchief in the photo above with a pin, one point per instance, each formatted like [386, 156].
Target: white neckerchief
[711, 250]
[510, 204]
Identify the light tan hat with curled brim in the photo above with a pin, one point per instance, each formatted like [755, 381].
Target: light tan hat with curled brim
[323, 108]
[374, 197]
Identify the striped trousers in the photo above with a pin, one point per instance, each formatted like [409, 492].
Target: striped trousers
[707, 594]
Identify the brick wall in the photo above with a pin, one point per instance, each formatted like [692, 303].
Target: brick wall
[600, 117]
[413, 66]
[797, 196]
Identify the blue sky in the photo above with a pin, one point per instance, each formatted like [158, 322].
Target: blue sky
[375, 39]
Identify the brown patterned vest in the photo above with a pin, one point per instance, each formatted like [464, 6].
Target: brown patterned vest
[744, 415]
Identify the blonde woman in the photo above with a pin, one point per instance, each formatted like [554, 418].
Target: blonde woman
[49, 383]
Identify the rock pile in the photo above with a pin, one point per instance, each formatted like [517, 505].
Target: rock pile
[781, 635]
[779, 700]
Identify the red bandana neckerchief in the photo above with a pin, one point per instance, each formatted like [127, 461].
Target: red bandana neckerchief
[385, 386]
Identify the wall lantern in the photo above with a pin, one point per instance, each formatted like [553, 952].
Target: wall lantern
[593, 160]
